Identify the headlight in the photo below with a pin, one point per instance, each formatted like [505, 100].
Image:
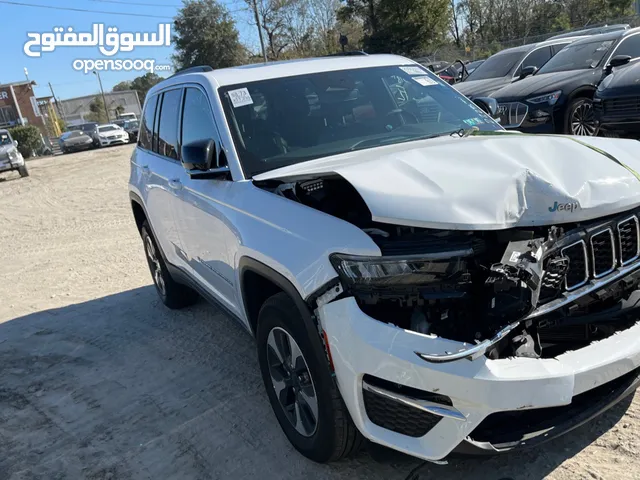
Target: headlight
[415, 270]
[550, 98]
[13, 154]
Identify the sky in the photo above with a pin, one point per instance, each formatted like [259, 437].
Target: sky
[56, 67]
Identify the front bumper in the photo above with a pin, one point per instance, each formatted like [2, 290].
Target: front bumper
[362, 348]
[113, 141]
[11, 164]
[528, 118]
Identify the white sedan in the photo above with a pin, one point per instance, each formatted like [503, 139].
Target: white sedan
[111, 134]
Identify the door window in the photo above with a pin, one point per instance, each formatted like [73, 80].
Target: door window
[146, 136]
[629, 46]
[168, 124]
[537, 58]
[197, 119]
[556, 48]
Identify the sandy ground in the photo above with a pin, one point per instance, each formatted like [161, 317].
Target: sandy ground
[98, 380]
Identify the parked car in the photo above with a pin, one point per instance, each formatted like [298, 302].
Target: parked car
[132, 127]
[111, 134]
[617, 102]
[10, 156]
[75, 141]
[412, 273]
[593, 31]
[90, 128]
[508, 66]
[559, 97]
[128, 116]
[469, 67]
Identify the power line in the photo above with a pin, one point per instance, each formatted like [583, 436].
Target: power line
[120, 2]
[51, 7]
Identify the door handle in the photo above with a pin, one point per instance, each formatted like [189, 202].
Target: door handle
[175, 184]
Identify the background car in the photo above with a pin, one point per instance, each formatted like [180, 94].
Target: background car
[593, 31]
[559, 97]
[508, 66]
[74, 141]
[616, 103]
[111, 134]
[132, 127]
[10, 157]
[90, 128]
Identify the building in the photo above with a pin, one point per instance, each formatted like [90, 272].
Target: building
[18, 106]
[75, 110]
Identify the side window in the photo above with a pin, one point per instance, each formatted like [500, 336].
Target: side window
[146, 129]
[629, 46]
[537, 58]
[197, 119]
[168, 124]
[556, 48]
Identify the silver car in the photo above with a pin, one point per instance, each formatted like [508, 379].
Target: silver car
[10, 157]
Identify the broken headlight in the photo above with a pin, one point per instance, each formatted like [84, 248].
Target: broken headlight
[414, 270]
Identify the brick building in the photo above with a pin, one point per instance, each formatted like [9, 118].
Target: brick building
[18, 106]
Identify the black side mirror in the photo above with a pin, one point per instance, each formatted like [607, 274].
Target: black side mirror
[488, 105]
[198, 158]
[527, 71]
[617, 61]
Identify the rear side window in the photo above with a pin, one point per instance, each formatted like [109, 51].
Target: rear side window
[146, 131]
[629, 46]
[197, 120]
[168, 124]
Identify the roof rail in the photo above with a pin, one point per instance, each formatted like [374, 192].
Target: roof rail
[196, 69]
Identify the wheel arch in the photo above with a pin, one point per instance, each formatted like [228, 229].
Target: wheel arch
[561, 115]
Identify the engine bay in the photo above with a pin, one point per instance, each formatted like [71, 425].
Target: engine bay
[474, 283]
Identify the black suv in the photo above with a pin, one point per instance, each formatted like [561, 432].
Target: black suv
[617, 102]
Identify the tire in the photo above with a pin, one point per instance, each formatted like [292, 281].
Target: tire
[173, 294]
[579, 118]
[335, 436]
[23, 171]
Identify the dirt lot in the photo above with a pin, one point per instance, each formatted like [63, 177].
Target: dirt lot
[98, 380]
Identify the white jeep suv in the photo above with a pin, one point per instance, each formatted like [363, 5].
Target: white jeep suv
[412, 273]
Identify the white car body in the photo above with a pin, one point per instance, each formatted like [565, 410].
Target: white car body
[111, 134]
[211, 232]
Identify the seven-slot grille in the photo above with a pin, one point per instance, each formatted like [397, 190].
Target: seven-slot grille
[622, 107]
[604, 251]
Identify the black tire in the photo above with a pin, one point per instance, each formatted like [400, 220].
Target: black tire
[173, 294]
[581, 107]
[335, 435]
[23, 171]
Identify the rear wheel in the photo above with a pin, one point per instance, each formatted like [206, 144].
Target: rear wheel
[23, 171]
[579, 118]
[173, 294]
[300, 386]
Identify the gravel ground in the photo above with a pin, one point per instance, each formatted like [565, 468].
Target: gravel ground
[98, 380]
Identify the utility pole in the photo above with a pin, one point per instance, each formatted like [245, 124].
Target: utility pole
[104, 100]
[257, 15]
[58, 104]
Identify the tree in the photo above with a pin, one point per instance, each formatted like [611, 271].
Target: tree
[122, 86]
[96, 111]
[205, 34]
[119, 110]
[144, 83]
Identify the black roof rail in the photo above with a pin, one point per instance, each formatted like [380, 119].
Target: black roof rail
[347, 54]
[196, 69]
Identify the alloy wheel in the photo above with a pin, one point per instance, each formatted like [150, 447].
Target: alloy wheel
[154, 265]
[292, 381]
[583, 120]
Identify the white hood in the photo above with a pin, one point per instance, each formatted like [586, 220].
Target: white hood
[486, 182]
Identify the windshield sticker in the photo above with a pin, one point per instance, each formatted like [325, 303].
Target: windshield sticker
[412, 70]
[473, 121]
[240, 97]
[425, 81]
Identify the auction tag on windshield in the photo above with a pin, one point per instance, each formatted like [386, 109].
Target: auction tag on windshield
[425, 81]
[412, 70]
[240, 97]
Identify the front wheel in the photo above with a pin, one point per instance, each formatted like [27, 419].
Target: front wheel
[23, 171]
[579, 118]
[300, 386]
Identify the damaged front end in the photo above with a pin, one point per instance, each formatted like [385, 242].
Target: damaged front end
[521, 292]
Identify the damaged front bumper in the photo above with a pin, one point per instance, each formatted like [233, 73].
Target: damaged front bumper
[429, 408]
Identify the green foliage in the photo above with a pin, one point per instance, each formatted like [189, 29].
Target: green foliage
[28, 137]
[141, 84]
[122, 86]
[119, 110]
[205, 34]
[97, 111]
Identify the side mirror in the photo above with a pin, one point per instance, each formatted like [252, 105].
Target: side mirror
[617, 61]
[15, 143]
[488, 105]
[528, 71]
[198, 158]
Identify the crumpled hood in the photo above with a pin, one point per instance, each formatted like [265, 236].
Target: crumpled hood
[486, 182]
[481, 88]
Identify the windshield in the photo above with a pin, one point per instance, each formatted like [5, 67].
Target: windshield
[283, 121]
[577, 57]
[131, 124]
[5, 139]
[496, 66]
[108, 128]
[71, 134]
